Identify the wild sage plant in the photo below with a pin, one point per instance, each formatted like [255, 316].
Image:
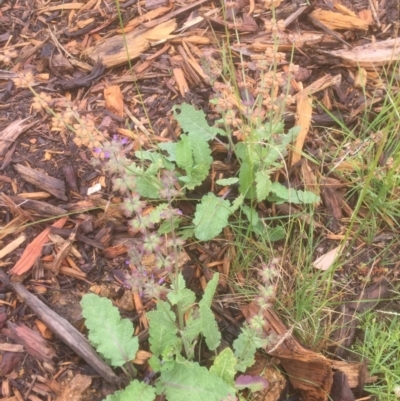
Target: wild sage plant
[179, 320]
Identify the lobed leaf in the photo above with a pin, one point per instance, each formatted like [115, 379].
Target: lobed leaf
[211, 217]
[293, 196]
[209, 291]
[194, 121]
[182, 295]
[190, 381]
[169, 147]
[111, 335]
[162, 330]
[138, 391]
[245, 347]
[224, 366]
[263, 185]
[227, 181]
[148, 186]
[184, 157]
[246, 180]
[209, 328]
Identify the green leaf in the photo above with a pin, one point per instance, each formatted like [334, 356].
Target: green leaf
[148, 186]
[245, 347]
[272, 153]
[154, 157]
[237, 203]
[302, 197]
[190, 381]
[211, 217]
[184, 158]
[227, 181]
[138, 391]
[155, 215]
[167, 226]
[195, 176]
[241, 151]
[280, 190]
[192, 327]
[224, 366]
[111, 335]
[201, 151]
[293, 196]
[263, 185]
[275, 233]
[194, 121]
[209, 327]
[182, 295]
[291, 135]
[169, 147]
[255, 222]
[246, 180]
[186, 233]
[209, 292]
[162, 329]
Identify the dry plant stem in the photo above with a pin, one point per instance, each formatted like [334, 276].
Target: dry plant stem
[63, 329]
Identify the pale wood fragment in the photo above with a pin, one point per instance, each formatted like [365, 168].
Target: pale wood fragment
[119, 49]
[335, 20]
[371, 55]
[303, 120]
[12, 245]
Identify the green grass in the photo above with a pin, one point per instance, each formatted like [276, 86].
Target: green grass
[380, 348]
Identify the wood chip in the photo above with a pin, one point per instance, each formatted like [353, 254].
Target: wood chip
[303, 120]
[112, 51]
[50, 184]
[9, 135]
[12, 245]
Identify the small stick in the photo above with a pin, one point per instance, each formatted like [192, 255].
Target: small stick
[63, 329]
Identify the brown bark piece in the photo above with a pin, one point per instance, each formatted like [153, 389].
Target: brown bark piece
[66, 232]
[70, 178]
[333, 209]
[38, 207]
[10, 134]
[93, 76]
[371, 55]
[112, 51]
[309, 372]
[64, 251]
[340, 388]
[32, 341]
[355, 372]
[9, 361]
[50, 184]
[64, 330]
